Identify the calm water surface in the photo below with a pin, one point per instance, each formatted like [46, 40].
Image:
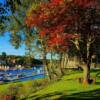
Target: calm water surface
[26, 74]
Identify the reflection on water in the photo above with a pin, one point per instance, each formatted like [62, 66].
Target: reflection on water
[22, 75]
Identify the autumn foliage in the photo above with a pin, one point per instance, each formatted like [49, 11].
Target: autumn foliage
[56, 20]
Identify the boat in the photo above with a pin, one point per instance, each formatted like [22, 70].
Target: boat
[10, 78]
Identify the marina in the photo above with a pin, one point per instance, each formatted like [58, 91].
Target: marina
[21, 75]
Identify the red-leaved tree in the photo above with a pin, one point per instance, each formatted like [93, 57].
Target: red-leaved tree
[62, 23]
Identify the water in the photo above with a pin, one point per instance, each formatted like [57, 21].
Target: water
[32, 77]
[22, 75]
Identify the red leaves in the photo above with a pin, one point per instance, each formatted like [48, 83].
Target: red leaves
[43, 33]
[29, 21]
[56, 2]
[72, 36]
[61, 40]
[53, 14]
[32, 21]
[55, 41]
[57, 19]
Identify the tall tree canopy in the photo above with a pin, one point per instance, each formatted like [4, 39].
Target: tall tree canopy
[3, 16]
[58, 24]
[64, 22]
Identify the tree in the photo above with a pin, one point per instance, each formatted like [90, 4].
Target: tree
[50, 43]
[3, 17]
[19, 33]
[63, 22]
[4, 57]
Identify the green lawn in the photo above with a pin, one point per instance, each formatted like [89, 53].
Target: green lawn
[67, 88]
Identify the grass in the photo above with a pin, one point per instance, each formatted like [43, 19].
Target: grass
[68, 88]
[64, 89]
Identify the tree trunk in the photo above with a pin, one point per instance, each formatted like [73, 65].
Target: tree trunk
[86, 75]
[86, 68]
[85, 63]
[46, 69]
[52, 66]
[61, 64]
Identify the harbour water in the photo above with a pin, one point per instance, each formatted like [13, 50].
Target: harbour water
[22, 74]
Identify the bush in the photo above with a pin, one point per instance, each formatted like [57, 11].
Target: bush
[41, 82]
[8, 95]
[25, 90]
[11, 93]
[22, 90]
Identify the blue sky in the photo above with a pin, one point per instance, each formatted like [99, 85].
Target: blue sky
[2, 1]
[5, 46]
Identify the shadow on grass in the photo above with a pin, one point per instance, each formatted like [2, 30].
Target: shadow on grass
[89, 95]
[97, 83]
[95, 70]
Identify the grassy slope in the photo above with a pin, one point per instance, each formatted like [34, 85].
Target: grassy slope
[68, 88]
[4, 87]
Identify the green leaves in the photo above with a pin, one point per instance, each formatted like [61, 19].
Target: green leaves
[16, 40]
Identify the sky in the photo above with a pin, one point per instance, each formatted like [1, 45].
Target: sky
[2, 1]
[5, 46]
